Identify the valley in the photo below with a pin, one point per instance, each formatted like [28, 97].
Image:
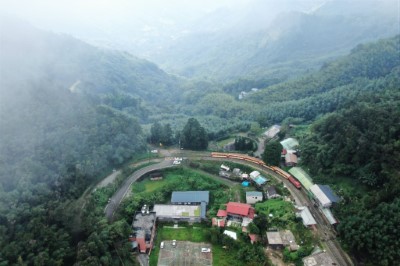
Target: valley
[108, 109]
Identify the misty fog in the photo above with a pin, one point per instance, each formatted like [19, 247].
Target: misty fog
[94, 90]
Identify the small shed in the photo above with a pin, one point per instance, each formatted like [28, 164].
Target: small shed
[231, 234]
[224, 167]
[236, 172]
[253, 196]
[254, 174]
[274, 240]
[272, 193]
[290, 159]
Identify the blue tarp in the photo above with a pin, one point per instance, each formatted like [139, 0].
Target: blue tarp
[245, 183]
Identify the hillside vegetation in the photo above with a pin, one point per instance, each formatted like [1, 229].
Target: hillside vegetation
[70, 112]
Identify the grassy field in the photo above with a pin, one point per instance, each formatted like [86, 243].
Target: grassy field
[196, 233]
[282, 211]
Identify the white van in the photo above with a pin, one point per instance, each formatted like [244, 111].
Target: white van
[162, 245]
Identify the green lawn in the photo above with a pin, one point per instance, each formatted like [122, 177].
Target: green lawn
[149, 186]
[282, 211]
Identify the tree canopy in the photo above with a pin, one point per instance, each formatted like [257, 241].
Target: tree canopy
[194, 136]
[272, 153]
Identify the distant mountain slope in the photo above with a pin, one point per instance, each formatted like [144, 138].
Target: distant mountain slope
[290, 44]
[370, 71]
[60, 105]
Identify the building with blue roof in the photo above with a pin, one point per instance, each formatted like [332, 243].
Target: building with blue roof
[324, 195]
[190, 197]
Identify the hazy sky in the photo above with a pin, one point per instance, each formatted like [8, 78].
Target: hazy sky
[40, 11]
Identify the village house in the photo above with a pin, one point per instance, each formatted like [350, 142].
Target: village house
[143, 226]
[281, 239]
[235, 213]
[290, 159]
[253, 196]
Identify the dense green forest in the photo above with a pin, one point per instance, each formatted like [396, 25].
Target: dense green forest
[73, 112]
[362, 144]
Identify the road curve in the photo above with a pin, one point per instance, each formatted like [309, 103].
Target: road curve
[301, 199]
[116, 199]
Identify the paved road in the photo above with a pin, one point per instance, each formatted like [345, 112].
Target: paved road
[123, 190]
[325, 232]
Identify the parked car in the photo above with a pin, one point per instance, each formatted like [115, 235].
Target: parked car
[176, 162]
[162, 245]
[205, 250]
[174, 243]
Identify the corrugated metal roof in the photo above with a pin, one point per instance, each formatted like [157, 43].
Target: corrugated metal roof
[254, 174]
[302, 176]
[289, 144]
[320, 195]
[203, 209]
[329, 193]
[238, 208]
[308, 219]
[253, 194]
[329, 216]
[190, 196]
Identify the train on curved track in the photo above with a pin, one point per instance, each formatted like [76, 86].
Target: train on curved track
[247, 158]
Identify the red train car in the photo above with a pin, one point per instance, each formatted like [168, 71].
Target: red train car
[294, 182]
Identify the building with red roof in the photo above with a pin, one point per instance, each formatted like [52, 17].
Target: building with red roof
[235, 213]
[222, 213]
[237, 209]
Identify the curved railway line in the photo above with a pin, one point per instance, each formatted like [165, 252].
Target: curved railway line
[326, 233]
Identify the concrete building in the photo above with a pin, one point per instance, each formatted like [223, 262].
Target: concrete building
[253, 196]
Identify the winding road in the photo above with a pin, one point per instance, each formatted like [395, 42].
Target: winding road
[118, 196]
[326, 234]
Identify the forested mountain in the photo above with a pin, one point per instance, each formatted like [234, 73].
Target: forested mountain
[361, 145]
[68, 113]
[292, 43]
